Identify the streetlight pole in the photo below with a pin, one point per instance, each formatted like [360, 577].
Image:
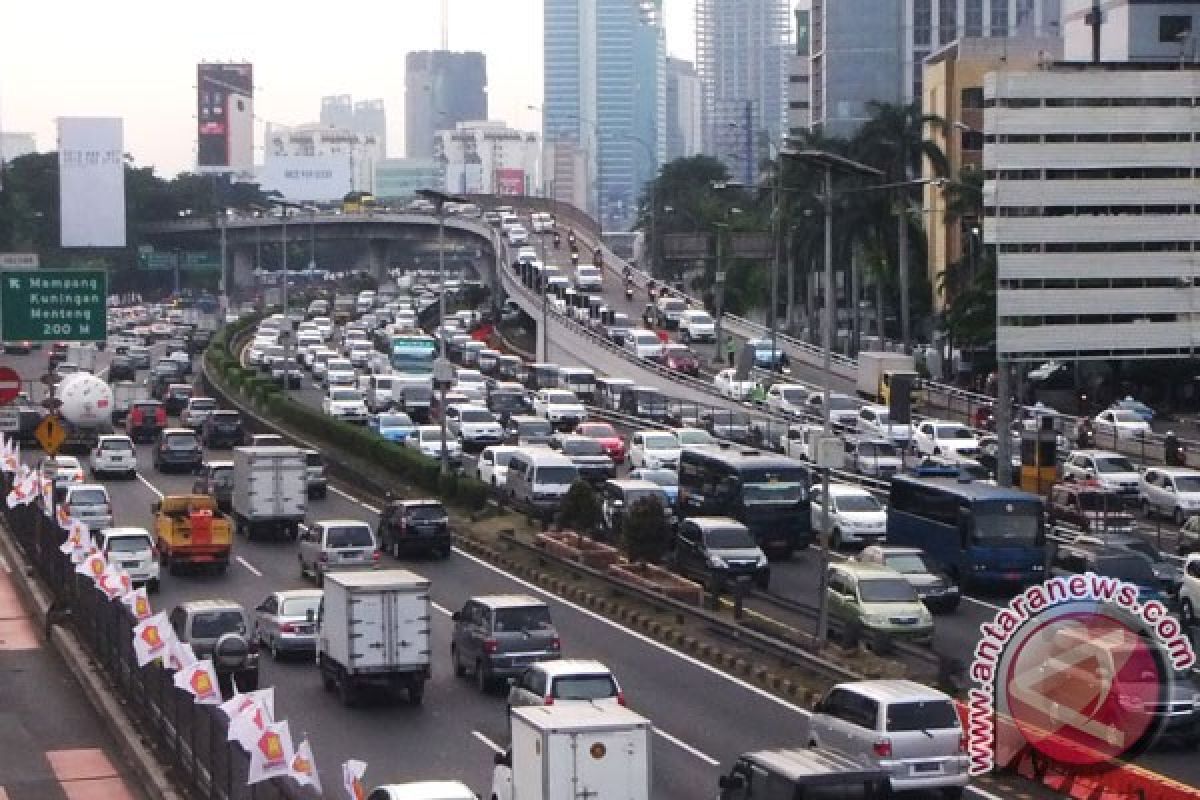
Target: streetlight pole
[719, 283]
[902, 268]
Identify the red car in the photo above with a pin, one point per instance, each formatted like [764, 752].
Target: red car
[614, 445]
[679, 358]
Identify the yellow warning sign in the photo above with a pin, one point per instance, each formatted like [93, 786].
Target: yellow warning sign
[50, 434]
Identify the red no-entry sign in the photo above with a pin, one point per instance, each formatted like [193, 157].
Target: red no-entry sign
[10, 385]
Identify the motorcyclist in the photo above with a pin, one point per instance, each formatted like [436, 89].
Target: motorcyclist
[1085, 436]
[629, 288]
[1173, 454]
[557, 240]
[651, 289]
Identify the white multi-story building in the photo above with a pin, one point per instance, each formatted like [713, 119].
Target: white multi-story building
[1091, 200]
[488, 157]
[315, 163]
[685, 110]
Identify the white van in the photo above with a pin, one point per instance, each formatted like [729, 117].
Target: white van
[538, 479]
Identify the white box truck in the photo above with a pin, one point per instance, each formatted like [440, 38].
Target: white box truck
[373, 630]
[125, 394]
[270, 490]
[601, 752]
[875, 369]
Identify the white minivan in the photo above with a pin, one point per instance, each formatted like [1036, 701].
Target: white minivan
[643, 343]
[538, 478]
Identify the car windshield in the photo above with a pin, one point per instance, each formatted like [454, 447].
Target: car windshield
[127, 544]
[506, 401]
[793, 395]
[395, 421]
[432, 435]
[877, 450]
[427, 512]
[1113, 464]
[223, 476]
[1133, 568]
[907, 563]
[345, 396]
[663, 477]
[677, 350]
[597, 430]
[584, 687]
[557, 475]
[881, 417]
[1007, 524]
[1100, 501]
[856, 502]
[634, 496]
[694, 437]
[181, 441]
[772, 492]
[1187, 483]
[840, 402]
[886, 590]
[534, 428]
[214, 624]
[922, 715]
[953, 432]
[116, 444]
[89, 497]
[349, 536]
[203, 405]
[582, 447]
[729, 539]
[561, 398]
[1144, 548]
[300, 607]
[730, 419]
[699, 318]
[516, 620]
[661, 441]
[645, 338]
[477, 415]
[1124, 415]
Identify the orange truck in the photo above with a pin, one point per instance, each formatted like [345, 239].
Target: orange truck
[191, 532]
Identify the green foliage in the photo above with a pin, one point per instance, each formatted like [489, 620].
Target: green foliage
[580, 509]
[645, 534]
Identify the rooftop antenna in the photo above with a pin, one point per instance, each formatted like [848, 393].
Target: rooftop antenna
[445, 24]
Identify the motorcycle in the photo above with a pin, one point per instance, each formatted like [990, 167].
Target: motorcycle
[629, 293]
[557, 241]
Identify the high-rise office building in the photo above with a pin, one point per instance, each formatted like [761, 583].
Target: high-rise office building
[604, 102]
[864, 51]
[441, 89]
[366, 117]
[742, 58]
[685, 110]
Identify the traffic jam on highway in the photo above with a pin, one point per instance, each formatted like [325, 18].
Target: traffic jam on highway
[238, 534]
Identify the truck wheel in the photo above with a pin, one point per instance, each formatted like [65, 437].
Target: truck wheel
[1187, 614]
[174, 567]
[416, 691]
[346, 691]
[459, 670]
[152, 585]
[482, 679]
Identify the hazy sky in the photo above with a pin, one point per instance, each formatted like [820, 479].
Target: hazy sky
[137, 59]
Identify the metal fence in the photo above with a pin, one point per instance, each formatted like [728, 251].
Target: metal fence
[190, 739]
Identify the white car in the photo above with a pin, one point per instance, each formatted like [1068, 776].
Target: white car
[654, 450]
[360, 353]
[939, 437]
[800, 441]
[560, 407]
[1189, 593]
[324, 326]
[855, 516]
[697, 326]
[728, 385]
[1111, 470]
[643, 343]
[492, 465]
[474, 425]
[62, 470]
[517, 234]
[133, 550]
[588, 278]
[1121, 422]
[789, 399]
[1172, 492]
[346, 404]
[340, 379]
[113, 454]
[693, 437]
[471, 383]
[196, 411]
[566, 680]
[874, 420]
[428, 440]
[843, 410]
[336, 364]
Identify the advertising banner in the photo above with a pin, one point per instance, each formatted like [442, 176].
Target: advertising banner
[510, 181]
[91, 180]
[225, 118]
[317, 179]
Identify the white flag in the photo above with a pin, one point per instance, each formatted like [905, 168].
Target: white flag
[242, 702]
[179, 654]
[64, 516]
[271, 754]
[93, 566]
[200, 681]
[304, 767]
[138, 602]
[12, 462]
[257, 712]
[48, 496]
[151, 638]
[114, 581]
[352, 774]
[25, 489]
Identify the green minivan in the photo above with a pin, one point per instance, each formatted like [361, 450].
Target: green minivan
[875, 603]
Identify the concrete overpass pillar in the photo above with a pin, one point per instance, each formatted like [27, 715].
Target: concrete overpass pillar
[243, 268]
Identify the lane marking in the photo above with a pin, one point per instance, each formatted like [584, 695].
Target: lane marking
[687, 748]
[150, 486]
[249, 566]
[440, 609]
[487, 742]
[639, 636]
[354, 500]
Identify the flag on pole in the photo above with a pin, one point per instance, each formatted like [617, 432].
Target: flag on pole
[352, 774]
[242, 702]
[272, 754]
[114, 581]
[200, 681]
[93, 566]
[25, 488]
[12, 461]
[48, 496]
[138, 601]
[179, 654]
[248, 725]
[64, 516]
[151, 637]
[304, 767]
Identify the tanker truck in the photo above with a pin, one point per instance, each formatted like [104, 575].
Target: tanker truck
[86, 411]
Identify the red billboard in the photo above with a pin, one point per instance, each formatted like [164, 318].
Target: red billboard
[510, 181]
[224, 116]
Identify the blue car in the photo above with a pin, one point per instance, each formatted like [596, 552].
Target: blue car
[1136, 406]
[766, 357]
[393, 426]
[668, 479]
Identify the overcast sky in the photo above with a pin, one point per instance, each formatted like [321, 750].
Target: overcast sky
[137, 59]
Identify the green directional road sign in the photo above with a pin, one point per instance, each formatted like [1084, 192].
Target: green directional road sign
[53, 305]
[187, 260]
[200, 260]
[150, 260]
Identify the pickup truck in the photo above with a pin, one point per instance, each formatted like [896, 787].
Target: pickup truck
[189, 530]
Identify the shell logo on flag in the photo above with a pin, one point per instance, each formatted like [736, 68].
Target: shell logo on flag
[141, 606]
[302, 765]
[271, 746]
[202, 685]
[152, 637]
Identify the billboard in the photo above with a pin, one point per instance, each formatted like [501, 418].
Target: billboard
[309, 179]
[510, 181]
[225, 118]
[91, 181]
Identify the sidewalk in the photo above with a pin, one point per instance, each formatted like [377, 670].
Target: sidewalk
[52, 744]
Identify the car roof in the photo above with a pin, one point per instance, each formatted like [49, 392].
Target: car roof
[1096, 453]
[845, 490]
[893, 690]
[178, 430]
[571, 666]
[113, 533]
[292, 593]
[422, 790]
[862, 569]
[417, 503]
[214, 604]
[507, 600]
[340, 522]
[76, 487]
[1174, 470]
[712, 523]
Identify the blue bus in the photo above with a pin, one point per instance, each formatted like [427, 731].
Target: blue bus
[767, 493]
[977, 533]
[413, 354]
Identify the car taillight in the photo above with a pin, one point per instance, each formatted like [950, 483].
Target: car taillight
[490, 646]
[376, 555]
[620, 698]
[324, 557]
[160, 416]
[883, 748]
[555, 643]
[548, 700]
[287, 627]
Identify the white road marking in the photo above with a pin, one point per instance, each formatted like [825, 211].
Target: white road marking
[253, 570]
[983, 793]
[150, 486]
[687, 748]
[487, 742]
[440, 609]
[354, 499]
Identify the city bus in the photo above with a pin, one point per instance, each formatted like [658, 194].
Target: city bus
[978, 533]
[767, 493]
[412, 357]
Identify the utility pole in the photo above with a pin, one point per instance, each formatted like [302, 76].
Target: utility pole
[902, 263]
[776, 236]
[719, 284]
[826, 363]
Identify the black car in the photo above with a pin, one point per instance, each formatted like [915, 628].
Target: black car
[222, 429]
[176, 397]
[216, 479]
[121, 369]
[414, 526]
[506, 402]
[178, 449]
[718, 552]
[588, 456]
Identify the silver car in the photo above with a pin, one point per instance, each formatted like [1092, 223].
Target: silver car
[286, 622]
[89, 503]
[336, 544]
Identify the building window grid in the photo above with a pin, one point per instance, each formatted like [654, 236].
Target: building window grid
[922, 23]
[999, 21]
[947, 21]
[973, 18]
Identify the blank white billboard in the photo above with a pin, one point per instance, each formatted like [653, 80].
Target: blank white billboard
[308, 179]
[91, 181]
